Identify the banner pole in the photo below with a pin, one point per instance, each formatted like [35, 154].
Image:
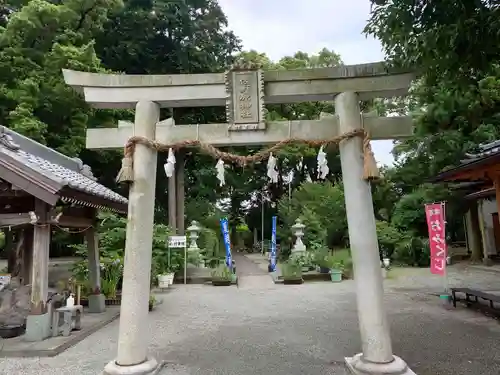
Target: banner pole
[185, 262]
[443, 206]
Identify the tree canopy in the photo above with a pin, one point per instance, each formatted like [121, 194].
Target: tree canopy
[454, 46]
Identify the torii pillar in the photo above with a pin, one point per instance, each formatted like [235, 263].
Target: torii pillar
[376, 357]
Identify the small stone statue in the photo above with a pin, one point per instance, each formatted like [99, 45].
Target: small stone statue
[272, 171]
[323, 169]
[170, 164]
[219, 167]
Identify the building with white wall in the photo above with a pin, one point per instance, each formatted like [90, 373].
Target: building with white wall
[482, 173]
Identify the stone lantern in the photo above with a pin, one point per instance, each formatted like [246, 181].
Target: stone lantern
[298, 232]
[193, 231]
[195, 257]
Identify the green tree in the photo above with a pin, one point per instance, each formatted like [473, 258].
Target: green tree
[321, 207]
[176, 37]
[454, 46]
[292, 156]
[38, 41]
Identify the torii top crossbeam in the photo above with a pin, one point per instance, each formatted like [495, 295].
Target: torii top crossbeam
[243, 90]
[203, 90]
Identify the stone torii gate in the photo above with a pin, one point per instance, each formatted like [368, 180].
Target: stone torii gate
[244, 90]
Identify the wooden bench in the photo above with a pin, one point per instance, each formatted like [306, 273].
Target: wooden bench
[476, 294]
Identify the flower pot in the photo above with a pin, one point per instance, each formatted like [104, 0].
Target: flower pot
[170, 276]
[336, 275]
[445, 299]
[219, 282]
[163, 281]
[293, 281]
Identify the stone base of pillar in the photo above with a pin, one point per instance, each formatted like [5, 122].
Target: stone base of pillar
[357, 366]
[37, 327]
[384, 273]
[97, 303]
[487, 261]
[148, 367]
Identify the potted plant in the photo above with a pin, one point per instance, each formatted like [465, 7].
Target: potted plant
[152, 301]
[336, 272]
[111, 274]
[304, 261]
[163, 264]
[221, 276]
[292, 273]
[165, 271]
[335, 266]
[321, 257]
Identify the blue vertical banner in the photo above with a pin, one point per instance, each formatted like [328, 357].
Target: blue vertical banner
[224, 226]
[273, 245]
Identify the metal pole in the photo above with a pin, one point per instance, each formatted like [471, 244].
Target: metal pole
[289, 193]
[185, 262]
[262, 227]
[445, 278]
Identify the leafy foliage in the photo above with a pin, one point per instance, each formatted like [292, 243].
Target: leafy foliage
[321, 208]
[455, 101]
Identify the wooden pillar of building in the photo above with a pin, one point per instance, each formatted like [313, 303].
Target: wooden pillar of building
[496, 183]
[474, 232]
[96, 298]
[38, 321]
[484, 239]
[9, 249]
[27, 264]
[180, 192]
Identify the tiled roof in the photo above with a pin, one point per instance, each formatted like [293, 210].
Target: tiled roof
[485, 150]
[66, 171]
[72, 179]
[487, 153]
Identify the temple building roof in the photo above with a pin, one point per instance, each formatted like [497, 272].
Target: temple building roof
[52, 176]
[475, 166]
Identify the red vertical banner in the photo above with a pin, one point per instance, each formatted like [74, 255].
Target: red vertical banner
[437, 237]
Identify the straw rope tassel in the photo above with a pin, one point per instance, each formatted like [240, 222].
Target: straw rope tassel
[370, 169]
[126, 173]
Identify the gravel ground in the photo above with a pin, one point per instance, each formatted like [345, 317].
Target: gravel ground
[289, 330]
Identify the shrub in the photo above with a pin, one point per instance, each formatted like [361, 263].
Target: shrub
[222, 272]
[413, 251]
[291, 270]
[321, 208]
[388, 238]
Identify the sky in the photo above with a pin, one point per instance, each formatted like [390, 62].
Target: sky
[283, 27]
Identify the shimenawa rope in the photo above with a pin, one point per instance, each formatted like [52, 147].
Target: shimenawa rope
[126, 174]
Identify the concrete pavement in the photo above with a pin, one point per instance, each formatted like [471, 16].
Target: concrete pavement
[287, 330]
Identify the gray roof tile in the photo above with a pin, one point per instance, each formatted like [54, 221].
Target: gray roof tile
[72, 179]
[485, 150]
[70, 172]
